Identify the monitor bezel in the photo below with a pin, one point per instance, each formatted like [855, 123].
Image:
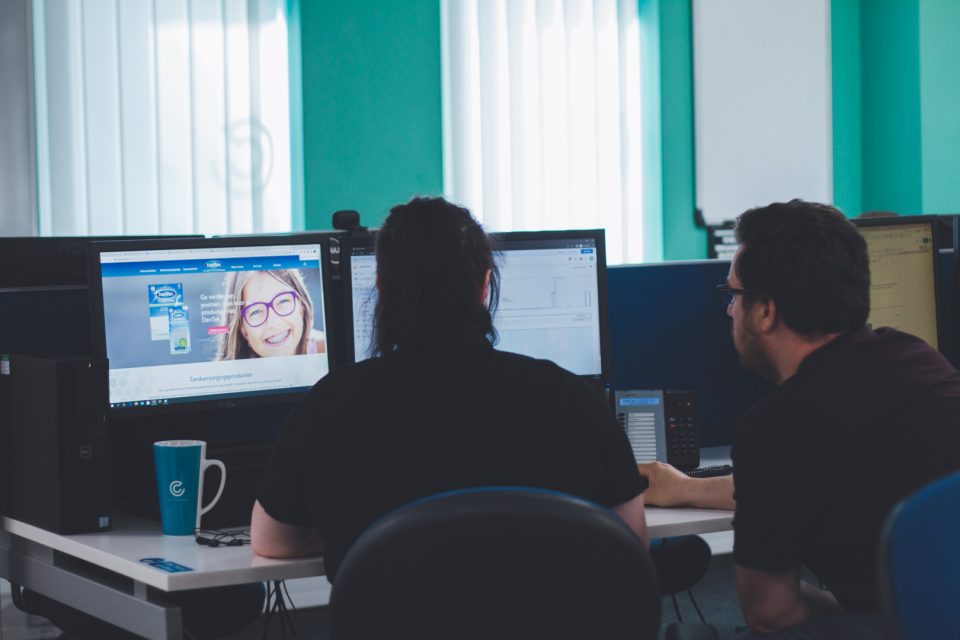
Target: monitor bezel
[498, 240]
[57, 261]
[98, 325]
[933, 222]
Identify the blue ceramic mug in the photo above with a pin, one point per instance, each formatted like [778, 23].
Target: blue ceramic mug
[181, 466]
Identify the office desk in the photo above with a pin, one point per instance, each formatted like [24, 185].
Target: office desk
[101, 573]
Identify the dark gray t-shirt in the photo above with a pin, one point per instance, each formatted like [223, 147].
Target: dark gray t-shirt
[373, 436]
[819, 463]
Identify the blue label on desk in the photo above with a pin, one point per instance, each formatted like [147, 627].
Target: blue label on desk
[165, 565]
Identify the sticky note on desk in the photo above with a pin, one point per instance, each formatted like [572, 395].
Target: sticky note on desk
[165, 565]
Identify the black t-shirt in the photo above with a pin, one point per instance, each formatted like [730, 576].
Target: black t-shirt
[867, 420]
[373, 436]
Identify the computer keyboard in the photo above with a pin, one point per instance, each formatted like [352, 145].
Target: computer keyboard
[710, 472]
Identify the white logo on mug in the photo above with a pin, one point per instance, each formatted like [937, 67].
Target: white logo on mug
[177, 489]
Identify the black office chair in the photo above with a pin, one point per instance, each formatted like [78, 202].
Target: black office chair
[497, 562]
[919, 568]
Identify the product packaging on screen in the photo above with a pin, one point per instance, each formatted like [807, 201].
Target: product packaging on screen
[181, 466]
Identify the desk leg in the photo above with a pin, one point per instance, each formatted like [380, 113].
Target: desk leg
[142, 612]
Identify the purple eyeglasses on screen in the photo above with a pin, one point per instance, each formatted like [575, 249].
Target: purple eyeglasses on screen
[283, 304]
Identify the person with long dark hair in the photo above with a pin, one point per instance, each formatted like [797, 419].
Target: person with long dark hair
[438, 409]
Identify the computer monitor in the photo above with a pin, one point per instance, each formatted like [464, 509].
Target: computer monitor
[47, 320]
[43, 290]
[671, 332]
[210, 322]
[53, 261]
[553, 297]
[903, 274]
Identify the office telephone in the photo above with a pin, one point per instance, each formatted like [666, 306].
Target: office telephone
[661, 425]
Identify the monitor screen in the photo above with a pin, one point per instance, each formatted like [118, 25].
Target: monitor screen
[903, 288]
[552, 297]
[210, 320]
[363, 295]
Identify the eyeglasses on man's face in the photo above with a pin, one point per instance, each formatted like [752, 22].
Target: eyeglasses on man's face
[283, 304]
[727, 294]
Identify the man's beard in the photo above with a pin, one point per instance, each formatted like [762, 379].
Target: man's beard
[753, 358]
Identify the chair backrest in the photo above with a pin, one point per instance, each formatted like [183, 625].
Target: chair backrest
[497, 563]
[919, 565]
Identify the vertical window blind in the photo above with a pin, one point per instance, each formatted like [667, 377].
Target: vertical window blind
[541, 116]
[162, 116]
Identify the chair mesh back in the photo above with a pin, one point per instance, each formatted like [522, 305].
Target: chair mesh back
[919, 570]
[498, 564]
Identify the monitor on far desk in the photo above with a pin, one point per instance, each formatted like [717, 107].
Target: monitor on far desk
[903, 274]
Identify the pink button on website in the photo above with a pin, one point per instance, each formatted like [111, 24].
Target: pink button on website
[212, 331]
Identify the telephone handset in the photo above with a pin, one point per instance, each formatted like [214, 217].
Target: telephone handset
[661, 425]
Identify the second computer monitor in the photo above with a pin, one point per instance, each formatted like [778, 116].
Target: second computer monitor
[552, 297]
[903, 283]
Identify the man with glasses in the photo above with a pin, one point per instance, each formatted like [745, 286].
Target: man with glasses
[861, 418]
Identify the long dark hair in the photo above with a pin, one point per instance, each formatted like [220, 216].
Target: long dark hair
[432, 258]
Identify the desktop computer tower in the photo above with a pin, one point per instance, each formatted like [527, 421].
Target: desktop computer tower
[55, 460]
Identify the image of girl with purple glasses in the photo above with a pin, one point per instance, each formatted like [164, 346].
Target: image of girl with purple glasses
[268, 313]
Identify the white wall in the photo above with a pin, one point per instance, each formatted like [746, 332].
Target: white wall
[762, 103]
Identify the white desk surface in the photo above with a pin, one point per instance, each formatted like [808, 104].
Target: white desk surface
[121, 549]
[663, 523]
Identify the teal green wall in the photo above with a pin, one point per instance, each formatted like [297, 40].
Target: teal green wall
[896, 99]
[672, 27]
[371, 113]
[890, 55]
[846, 88]
[652, 152]
[896, 85]
[372, 118]
[297, 195]
[896, 111]
[940, 105]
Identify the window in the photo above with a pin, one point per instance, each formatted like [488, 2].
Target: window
[162, 116]
[541, 108]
